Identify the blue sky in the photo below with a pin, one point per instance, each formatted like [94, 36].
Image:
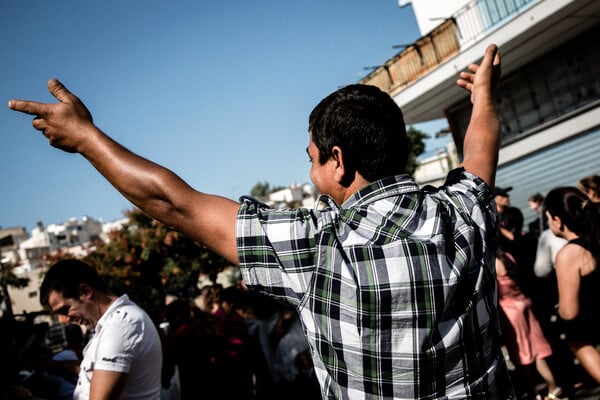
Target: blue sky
[218, 92]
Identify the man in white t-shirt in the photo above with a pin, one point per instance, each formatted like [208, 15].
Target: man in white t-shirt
[123, 359]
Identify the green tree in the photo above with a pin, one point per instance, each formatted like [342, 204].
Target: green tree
[416, 144]
[262, 189]
[147, 259]
[8, 278]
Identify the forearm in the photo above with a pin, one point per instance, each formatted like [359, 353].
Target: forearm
[482, 142]
[152, 188]
[163, 195]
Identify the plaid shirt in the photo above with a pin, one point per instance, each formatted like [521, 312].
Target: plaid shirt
[396, 289]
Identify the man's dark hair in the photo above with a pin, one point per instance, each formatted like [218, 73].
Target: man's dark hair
[367, 125]
[512, 219]
[537, 198]
[65, 276]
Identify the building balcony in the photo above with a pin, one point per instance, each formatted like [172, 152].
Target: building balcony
[421, 78]
[416, 59]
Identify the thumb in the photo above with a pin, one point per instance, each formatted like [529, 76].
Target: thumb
[58, 90]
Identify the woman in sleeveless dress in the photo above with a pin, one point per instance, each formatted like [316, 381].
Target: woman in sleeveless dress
[574, 217]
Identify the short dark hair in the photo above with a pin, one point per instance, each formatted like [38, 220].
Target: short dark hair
[512, 219]
[367, 125]
[66, 276]
[591, 182]
[536, 198]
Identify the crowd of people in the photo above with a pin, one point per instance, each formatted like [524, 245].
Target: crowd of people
[216, 342]
[394, 284]
[547, 288]
[232, 343]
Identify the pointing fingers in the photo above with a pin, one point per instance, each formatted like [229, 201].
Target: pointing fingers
[64, 123]
[58, 90]
[55, 88]
[28, 107]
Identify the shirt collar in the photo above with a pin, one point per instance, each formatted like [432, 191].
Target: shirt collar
[374, 191]
[115, 304]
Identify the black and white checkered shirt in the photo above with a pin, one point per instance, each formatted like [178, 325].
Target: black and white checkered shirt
[396, 288]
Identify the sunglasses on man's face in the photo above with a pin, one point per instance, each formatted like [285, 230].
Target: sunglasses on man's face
[64, 310]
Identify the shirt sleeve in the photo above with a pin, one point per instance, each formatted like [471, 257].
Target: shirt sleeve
[543, 258]
[472, 189]
[116, 349]
[276, 249]
[468, 198]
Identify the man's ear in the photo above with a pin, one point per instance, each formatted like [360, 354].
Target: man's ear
[85, 291]
[344, 175]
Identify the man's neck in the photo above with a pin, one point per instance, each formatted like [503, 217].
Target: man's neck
[104, 301]
[348, 191]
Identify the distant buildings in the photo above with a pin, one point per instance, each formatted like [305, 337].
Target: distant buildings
[296, 195]
[434, 165]
[24, 255]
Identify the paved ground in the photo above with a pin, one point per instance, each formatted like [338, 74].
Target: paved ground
[589, 390]
[588, 393]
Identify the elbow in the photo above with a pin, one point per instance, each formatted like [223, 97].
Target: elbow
[567, 315]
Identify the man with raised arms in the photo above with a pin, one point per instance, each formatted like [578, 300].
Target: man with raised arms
[395, 285]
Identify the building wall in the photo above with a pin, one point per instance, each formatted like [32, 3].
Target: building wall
[550, 118]
[430, 13]
[432, 170]
[561, 164]
[27, 299]
[74, 237]
[554, 87]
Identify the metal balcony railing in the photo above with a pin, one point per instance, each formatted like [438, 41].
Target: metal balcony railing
[481, 16]
[416, 59]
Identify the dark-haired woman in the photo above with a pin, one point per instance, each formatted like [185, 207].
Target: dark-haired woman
[574, 217]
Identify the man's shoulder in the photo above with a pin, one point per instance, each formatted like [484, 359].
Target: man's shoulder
[126, 311]
[461, 189]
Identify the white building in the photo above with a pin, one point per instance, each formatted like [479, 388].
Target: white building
[433, 166]
[296, 195]
[75, 237]
[548, 98]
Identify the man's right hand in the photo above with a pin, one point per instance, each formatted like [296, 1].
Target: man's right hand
[482, 79]
[65, 123]
[68, 125]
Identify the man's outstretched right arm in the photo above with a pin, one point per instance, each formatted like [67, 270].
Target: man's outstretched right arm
[68, 125]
